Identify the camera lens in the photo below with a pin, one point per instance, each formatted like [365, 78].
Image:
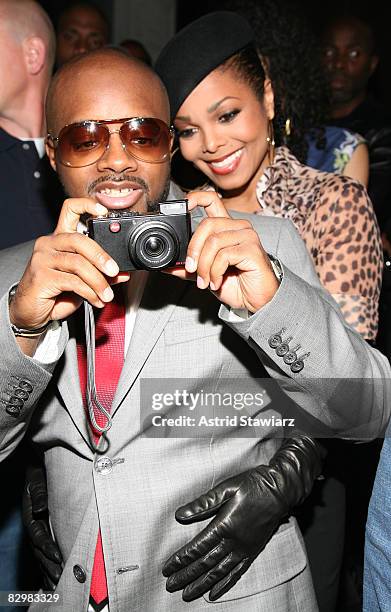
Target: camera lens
[154, 245]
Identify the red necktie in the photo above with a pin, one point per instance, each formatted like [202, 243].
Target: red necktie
[109, 359]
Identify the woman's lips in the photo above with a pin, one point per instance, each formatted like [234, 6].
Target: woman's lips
[227, 164]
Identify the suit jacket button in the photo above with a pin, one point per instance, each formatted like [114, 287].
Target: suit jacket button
[24, 384]
[297, 366]
[282, 349]
[15, 401]
[103, 465]
[79, 573]
[13, 411]
[21, 393]
[275, 341]
[290, 357]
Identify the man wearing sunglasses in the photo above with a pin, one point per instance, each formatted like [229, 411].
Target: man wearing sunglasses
[112, 497]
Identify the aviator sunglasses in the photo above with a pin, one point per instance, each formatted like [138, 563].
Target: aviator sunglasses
[84, 143]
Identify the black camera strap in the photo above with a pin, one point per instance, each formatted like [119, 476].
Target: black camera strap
[91, 393]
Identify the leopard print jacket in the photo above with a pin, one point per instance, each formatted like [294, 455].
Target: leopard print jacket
[334, 216]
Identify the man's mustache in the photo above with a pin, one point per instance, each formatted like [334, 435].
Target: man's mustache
[117, 178]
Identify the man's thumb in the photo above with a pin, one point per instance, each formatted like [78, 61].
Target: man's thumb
[205, 505]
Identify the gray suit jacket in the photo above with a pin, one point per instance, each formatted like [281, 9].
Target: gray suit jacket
[184, 333]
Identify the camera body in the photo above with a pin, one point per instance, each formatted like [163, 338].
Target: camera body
[145, 241]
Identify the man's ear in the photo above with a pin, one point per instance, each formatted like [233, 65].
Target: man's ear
[172, 139]
[51, 156]
[35, 54]
[374, 63]
[268, 99]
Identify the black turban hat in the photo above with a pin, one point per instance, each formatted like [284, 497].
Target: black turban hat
[199, 48]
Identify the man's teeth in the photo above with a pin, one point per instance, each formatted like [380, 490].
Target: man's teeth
[228, 160]
[116, 193]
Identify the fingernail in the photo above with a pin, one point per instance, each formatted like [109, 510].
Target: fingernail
[111, 267]
[212, 286]
[190, 264]
[200, 282]
[108, 294]
[101, 210]
[123, 277]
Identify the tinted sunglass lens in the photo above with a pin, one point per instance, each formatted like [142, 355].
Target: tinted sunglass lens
[81, 145]
[146, 139]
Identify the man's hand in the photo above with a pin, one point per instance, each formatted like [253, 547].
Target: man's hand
[227, 256]
[248, 509]
[36, 521]
[65, 268]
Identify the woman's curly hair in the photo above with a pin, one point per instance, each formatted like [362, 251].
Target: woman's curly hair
[293, 60]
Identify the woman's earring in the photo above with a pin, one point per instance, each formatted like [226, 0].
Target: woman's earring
[288, 127]
[270, 141]
[174, 151]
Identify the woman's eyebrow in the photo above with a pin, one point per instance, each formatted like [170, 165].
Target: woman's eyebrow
[214, 106]
[211, 108]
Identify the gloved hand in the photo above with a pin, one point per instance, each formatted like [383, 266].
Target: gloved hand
[248, 509]
[36, 520]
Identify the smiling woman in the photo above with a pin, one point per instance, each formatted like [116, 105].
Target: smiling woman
[224, 115]
[203, 132]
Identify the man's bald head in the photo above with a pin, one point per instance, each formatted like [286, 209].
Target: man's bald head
[25, 19]
[105, 73]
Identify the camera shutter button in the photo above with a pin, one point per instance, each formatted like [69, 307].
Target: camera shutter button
[115, 227]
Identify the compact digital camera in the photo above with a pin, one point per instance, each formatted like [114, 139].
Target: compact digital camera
[145, 241]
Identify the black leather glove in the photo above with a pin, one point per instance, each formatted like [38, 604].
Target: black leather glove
[248, 509]
[36, 521]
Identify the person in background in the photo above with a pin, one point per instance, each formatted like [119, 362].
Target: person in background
[29, 198]
[137, 49]
[81, 27]
[217, 143]
[29, 187]
[350, 59]
[293, 61]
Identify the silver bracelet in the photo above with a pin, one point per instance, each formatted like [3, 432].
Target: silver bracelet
[21, 331]
[276, 266]
[29, 333]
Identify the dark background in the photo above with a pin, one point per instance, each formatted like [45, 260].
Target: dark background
[377, 12]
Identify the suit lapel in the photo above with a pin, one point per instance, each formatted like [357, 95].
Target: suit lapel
[69, 385]
[160, 297]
